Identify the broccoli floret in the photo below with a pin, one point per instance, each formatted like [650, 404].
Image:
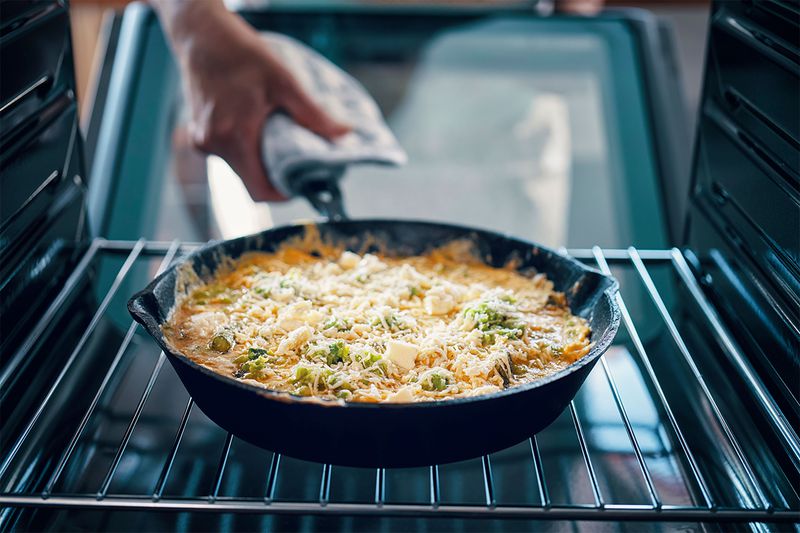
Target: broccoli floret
[254, 361]
[435, 380]
[254, 353]
[305, 375]
[254, 367]
[337, 352]
[489, 318]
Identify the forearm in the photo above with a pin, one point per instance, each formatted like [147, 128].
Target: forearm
[184, 20]
[232, 82]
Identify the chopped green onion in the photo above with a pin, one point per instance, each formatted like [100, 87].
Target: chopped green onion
[340, 324]
[222, 341]
[344, 394]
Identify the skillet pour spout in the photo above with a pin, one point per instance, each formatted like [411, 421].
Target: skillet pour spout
[388, 435]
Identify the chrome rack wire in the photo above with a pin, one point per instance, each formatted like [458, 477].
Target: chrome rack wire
[756, 500]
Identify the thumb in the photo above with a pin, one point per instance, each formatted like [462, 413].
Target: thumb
[311, 116]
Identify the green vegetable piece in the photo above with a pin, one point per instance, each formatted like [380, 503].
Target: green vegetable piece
[302, 374]
[215, 294]
[378, 366]
[344, 394]
[254, 361]
[254, 366]
[556, 350]
[337, 352]
[436, 382]
[339, 323]
[253, 353]
[222, 341]
[509, 333]
[489, 319]
[303, 390]
[367, 358]
[414, 291]
[390, 320]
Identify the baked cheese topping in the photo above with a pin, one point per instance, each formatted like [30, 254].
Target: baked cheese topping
[373, 328]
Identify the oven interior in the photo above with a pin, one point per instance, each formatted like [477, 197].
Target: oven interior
[690, 419]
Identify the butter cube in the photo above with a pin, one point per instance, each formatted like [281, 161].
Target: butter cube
[403, 354]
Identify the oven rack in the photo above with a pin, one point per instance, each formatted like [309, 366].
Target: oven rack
[755, 498]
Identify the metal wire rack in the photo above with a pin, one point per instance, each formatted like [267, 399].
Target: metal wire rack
[749, 490]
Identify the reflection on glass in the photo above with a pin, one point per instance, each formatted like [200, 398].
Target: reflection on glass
[514, 124]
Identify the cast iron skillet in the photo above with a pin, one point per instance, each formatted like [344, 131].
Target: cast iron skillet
[388, 435]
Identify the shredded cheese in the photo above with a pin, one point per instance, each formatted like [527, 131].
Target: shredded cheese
[373, 328]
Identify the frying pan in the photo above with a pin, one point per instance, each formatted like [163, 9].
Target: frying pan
[386, 435]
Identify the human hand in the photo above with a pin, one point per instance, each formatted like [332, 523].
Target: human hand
[579, 7]
[233, 83]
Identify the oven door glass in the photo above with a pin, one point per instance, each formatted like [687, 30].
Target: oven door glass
[530, 126]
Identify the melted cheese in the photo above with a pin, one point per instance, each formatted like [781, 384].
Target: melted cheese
[374, 328]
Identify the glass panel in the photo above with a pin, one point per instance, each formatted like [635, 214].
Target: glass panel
[535, 127]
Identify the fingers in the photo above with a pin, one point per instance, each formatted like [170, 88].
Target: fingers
[241, 148]
[580, 7]
[308, 114]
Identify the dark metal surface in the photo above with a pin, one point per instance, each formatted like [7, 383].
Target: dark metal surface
[744, 229]
[42, 200]
[389, 435]
[138, 442]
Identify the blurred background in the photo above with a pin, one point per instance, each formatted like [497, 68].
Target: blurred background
[566, 130]
[689, 19]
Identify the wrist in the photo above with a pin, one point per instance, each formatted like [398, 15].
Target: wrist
[183, 19]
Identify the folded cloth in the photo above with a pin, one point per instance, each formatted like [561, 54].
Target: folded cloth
[293, 154]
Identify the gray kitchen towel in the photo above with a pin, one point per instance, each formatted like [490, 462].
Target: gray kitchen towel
[292, 152]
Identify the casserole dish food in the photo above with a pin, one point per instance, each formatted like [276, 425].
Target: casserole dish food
[385, 434]
[315, 320]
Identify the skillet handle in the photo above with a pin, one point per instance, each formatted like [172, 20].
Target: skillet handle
[326, 198]
[321, 188]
